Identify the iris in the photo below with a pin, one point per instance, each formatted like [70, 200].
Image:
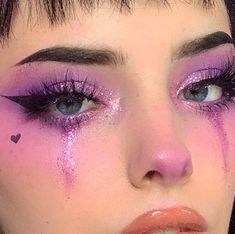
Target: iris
[197, 94]
[69, 105]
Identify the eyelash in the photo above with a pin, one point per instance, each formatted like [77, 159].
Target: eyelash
[224, 79]
[37, 102]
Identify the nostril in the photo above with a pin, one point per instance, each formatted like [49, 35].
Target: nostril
[151, 174]
[170, 163]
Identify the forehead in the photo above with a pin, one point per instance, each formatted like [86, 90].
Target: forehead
[59, 11]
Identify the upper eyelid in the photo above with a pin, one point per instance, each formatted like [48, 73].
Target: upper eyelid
[210, 78]
[217, 58]
[36, 97]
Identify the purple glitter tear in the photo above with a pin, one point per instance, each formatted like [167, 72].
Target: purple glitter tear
[217, 122]
[66, 161]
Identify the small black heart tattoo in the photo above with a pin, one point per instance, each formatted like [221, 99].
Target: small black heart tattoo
[15, 138]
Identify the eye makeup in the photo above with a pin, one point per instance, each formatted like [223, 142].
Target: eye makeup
[62, 97]
[205, 85]
[210, 89]
[60, 104]
[215, 67]
[66, 99]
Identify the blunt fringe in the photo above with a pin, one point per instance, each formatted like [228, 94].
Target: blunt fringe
[58, 11]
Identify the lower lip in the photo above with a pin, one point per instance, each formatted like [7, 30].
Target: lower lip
[179, 217]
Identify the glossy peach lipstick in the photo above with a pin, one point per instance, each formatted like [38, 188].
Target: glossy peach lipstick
[181, 219]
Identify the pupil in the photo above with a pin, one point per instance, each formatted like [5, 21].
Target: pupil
[69, 105]
[197, 94]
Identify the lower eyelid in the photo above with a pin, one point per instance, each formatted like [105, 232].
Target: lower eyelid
[199, 108]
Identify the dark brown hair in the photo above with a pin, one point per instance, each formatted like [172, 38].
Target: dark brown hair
[59, 10]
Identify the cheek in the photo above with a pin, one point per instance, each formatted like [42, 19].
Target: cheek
[212, 138]
[45, 158]
[230, 131]
[210, 175]
[28, 178]
[99, 159]
[204, 142]
[28, 164]
[34, 185]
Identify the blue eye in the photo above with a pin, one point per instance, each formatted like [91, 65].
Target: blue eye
[63, 104]
[71, 104]
[68, 106]
[205, 93]
[214, 91]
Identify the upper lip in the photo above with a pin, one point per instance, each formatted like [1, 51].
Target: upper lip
[182, 218]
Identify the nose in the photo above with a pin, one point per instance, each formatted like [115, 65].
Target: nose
[168, 164]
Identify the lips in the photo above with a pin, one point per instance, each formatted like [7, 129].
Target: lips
[181, 219]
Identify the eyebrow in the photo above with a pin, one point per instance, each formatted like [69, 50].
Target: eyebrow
[90, 56]
[201, 44]
[76, 55]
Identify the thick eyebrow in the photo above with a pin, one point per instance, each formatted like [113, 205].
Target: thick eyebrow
[77, 55]
[89, 56]
[202, 44]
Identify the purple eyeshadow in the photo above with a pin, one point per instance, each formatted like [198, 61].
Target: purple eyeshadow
[189, 69]
[196, 69]
[23, 78]
[37, 86]
[199, 76]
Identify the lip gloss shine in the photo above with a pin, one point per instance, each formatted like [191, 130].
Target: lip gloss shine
[185, 219]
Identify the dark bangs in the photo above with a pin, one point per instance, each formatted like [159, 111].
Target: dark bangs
[58, 11]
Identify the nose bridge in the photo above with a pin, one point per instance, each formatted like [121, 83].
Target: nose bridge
[161, 121]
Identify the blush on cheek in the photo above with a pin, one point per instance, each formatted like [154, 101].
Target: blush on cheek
[27, 150]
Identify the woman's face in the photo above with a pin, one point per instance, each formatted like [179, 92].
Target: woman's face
[131, 112]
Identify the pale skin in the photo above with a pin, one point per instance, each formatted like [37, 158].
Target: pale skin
[113, 157]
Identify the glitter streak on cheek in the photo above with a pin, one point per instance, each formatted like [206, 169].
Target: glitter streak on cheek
[217, 121]
[65, 161]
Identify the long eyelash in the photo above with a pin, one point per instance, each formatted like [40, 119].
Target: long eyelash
[38, 101]
[224, 79]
